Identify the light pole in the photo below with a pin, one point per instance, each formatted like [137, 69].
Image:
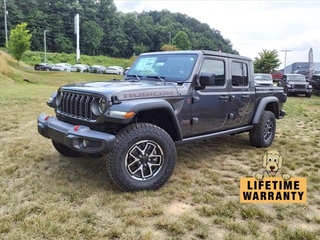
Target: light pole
[5, 21]
[169, 38]
[45, 45]
[285, 58]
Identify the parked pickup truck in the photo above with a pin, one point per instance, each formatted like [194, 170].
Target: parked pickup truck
[295, 84]
[165, 99]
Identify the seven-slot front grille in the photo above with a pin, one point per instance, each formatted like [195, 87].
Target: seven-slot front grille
[76, 105]
[299, 86]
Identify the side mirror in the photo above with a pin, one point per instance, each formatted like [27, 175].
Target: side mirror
[207, 79]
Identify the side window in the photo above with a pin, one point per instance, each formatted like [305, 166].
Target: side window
[217, 67]
[239, 73]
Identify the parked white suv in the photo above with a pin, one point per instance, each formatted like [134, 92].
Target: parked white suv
[263, 79]
[115, 70]
[63, 67]
[80, 68]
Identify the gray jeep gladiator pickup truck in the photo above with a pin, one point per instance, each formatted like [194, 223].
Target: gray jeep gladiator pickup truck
[165, 99]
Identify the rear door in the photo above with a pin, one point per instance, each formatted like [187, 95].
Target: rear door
[241, 93]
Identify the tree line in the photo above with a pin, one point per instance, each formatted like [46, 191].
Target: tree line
[106, 31]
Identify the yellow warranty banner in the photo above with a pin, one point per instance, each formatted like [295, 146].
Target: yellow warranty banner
[273, 190]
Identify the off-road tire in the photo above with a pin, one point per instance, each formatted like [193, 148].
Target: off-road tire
[308, 95]
[143, 158]
[263, 133]
[288, 93]
[65, 151]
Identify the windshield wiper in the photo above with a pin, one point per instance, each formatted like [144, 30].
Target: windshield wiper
[158, 77]
[136, 76]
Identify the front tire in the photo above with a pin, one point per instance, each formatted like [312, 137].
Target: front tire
[65, 151]
[262, 134]
[143, 158]
[287, 92]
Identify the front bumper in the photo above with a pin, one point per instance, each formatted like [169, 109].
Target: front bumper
[300, 90]
[76, 137]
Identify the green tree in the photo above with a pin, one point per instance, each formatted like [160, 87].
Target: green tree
[138, 49]
[19, 41]
[92, 36]
[168, 47]
[267, 62]
[122, 33]
[181, 41]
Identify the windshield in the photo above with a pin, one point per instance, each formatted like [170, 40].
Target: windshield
[171, 67]
[261, 77]
[296, 78]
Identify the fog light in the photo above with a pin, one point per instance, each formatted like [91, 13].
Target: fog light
[85, 143]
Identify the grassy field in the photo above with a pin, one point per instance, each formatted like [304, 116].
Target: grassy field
[47, 196]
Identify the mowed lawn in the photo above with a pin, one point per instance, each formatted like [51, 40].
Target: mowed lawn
[47, 196]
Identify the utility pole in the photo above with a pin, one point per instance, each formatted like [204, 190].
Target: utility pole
[77, 32]
[285, 58]
[45, 45]
[169, 38]
[5, 21]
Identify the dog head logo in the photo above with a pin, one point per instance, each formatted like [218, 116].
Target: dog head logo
[272, 163]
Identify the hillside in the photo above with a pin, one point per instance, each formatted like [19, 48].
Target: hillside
[32, 57]
[12, 72]
[106, 31]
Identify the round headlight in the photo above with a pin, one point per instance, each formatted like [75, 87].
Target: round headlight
[102, 105]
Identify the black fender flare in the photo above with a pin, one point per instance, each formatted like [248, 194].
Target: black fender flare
[138, 105]
[262, 106]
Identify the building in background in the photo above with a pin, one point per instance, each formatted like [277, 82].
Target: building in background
[302, 68]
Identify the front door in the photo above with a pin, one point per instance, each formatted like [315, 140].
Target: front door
[210, 105]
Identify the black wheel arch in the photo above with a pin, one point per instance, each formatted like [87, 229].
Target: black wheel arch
[155, 111]
[270, 103]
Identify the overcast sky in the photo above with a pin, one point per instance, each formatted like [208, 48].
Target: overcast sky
[251, 26]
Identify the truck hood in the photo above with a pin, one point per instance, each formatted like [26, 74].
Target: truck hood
[125, 90]
[298, 82]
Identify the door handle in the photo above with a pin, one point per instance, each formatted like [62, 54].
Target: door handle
[224, 98]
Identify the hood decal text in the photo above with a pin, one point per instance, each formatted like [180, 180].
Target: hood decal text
[148, 94]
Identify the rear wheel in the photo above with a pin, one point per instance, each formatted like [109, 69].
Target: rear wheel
[262, 134]
[65, 151]
[143, 158]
